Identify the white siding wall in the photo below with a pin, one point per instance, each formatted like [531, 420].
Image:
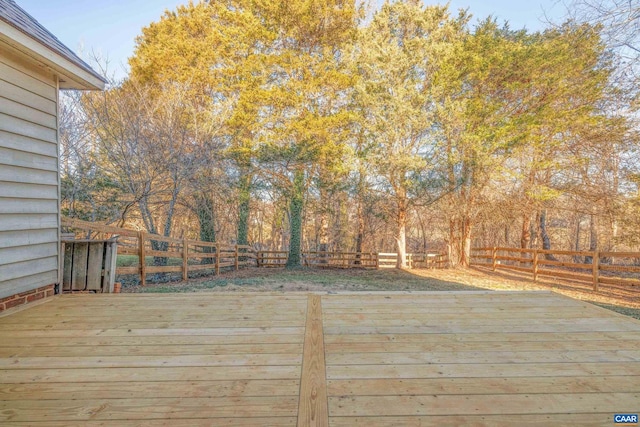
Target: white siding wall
[28, 176]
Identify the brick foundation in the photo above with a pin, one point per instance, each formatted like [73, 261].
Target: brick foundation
[26, 297]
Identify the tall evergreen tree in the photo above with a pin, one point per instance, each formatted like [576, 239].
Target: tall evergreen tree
[397, 56]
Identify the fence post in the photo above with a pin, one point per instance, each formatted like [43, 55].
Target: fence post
[596, 270]
[185, 259]
[143, 261]
[535, 265]
[377, 258]
[494, 255]
[237, 261]
[217, 266]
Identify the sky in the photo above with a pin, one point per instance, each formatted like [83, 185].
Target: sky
[108, 28]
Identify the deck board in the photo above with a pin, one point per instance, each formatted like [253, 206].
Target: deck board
[313, 408]
[370, 359]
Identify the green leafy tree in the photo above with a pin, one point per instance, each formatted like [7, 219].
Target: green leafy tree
[305, 115]
[397, 56]
[481, 99]
[217, 49]
[571, 83]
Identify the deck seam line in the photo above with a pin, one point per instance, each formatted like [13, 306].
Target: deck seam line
[313, 403]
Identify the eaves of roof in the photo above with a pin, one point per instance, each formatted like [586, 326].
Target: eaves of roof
[24, 33]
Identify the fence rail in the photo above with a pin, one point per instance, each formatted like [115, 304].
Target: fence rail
[612, 268]
[415, 260]
[159, 254]
[352, 259]
[341, 259]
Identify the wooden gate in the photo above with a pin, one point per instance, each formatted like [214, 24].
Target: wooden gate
[89, 265]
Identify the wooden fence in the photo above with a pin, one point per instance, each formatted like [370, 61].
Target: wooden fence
[160, 255]
[352, 259]
[414, 260]
[321, 259]
[390, 259]
[272, 258]
[612, 268]
[340, 259]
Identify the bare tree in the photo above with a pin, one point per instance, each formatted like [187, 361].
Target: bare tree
[87, 192]
[619, 21]
[148, 144]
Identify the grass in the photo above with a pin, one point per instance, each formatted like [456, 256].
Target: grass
[329, 280]
[635, 313]
[307, 279]
[127, 261]
[132, 261]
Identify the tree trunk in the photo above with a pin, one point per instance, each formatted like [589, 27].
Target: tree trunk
[525, 237]
[360, 233]
[507, 238]
[424, 234]
[401, 240]
[244, 199]
[593, 233]
[295, 207]
[206, 218]
[277, 227]
[260, 227]
[593, 237]
[576, 258]
[546, 241]
[150, 225]
[535, 227]
[615, 190]
[613, 225]
[401, 232]
[465, 252]
[172, 207]
[453, 246]
[323, 232]
[340, 223]
[158, 245]
[147, 217]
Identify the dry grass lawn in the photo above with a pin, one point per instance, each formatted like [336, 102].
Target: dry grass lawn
[623, 300]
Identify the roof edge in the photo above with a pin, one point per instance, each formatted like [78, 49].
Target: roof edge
[74, 75]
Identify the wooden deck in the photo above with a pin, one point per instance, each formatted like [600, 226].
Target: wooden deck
[390, 359]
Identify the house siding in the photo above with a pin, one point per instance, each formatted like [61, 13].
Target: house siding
[29, 190]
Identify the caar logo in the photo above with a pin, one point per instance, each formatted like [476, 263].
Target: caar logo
[629, 419]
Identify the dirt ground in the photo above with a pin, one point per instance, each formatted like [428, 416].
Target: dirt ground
[625, 300]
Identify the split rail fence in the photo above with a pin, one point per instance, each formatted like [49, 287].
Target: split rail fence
[353, 259]
[158, 254]
[596, 268]
[417, 260]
